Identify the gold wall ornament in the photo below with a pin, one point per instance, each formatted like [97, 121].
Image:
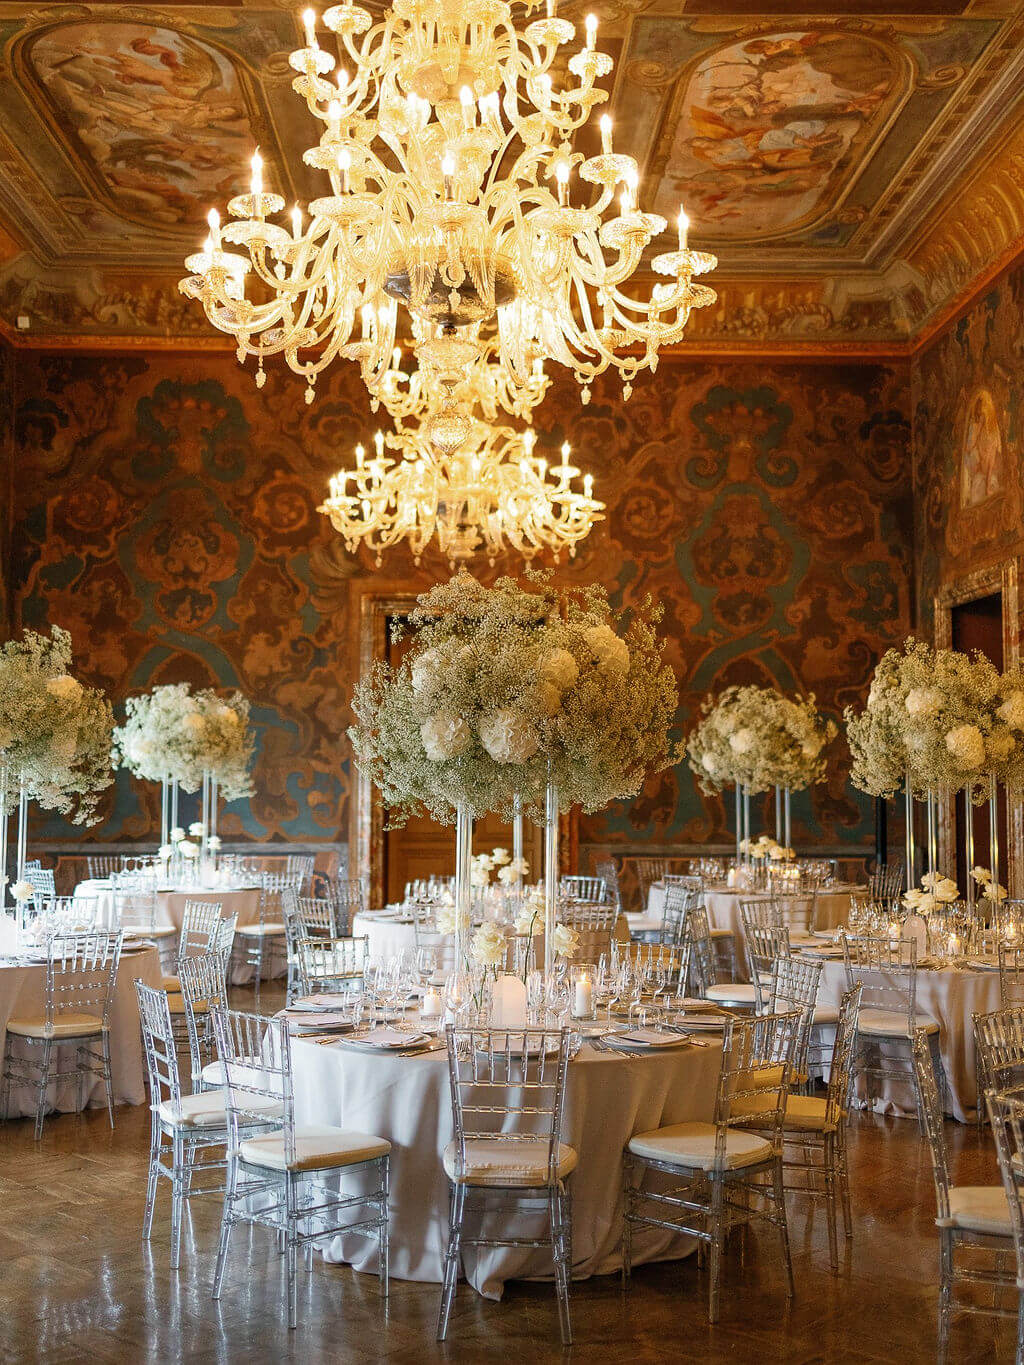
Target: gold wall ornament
[457, 198]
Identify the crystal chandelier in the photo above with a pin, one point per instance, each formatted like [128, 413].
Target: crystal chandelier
[456, 193]
[483, 490]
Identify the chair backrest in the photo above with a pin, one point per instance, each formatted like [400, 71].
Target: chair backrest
[331, 964]
[159, 1047]
[886, 883]
[841, 1064]
[349, 897]
[1006, 1114]
[930, 1109]
[104, 864]
[606, 869]
[757, 1068]
[1011, 973]
[887, 968]
[273, 886]
[687, 880]
[224, 935]
[255, 1054]
[679, 900]
[592, 889]
[427, 935]
[649, 871]
[999, 1044]
[80, 972]
[697, 934]
[508, 1086]
[300, 866]
[796, 911]
[204, 982]
[43, 887]
[793, 985]
[200, 922]
[134, 901]
[765, 938]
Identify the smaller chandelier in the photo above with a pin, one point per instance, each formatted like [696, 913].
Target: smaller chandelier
[481, 489]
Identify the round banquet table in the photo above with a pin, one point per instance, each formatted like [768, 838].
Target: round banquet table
[23, 992]
[950, 995]
[407, 1100]
[392, 933]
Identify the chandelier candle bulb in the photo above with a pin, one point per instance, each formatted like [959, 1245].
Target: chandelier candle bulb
[309, 24]
[684, 228]
[256, 177]
[213, 218]
[606, 135]
[591, 27]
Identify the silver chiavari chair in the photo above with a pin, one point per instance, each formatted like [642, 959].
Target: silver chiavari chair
[593, 890]
[204, 988]
[299, 866]
[349, 897]
[889, 1019]
[814, 1131]
[999, 1049]
[1006, 1115]
[1011, 973]
[722, 938]
[182, 1127]
[886, 883]
[648, 871]
[674, 915]
[793, 985]
[664, 965]
[331, 964]
[104, 865]
[729, 1170]
[290, 1179]
[80, 974]
[606, 869]
[305, 917]
[595, 924]
[765, 938]
[971, 1219]
[508, 1094]
[797, 912]
[267, 936]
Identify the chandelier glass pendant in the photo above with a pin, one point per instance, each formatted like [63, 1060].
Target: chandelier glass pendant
[455, 193]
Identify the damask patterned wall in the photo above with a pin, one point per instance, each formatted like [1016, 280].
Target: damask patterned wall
[969, 442]
[165, 513]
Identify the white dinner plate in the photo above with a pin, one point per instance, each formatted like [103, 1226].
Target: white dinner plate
[647, 1040]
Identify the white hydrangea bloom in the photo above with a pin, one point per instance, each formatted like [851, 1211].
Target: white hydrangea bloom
[559, 669]
[445, 737]
[923, 702]
[1012, 710]
[611, 652]
[509, 736]
[967, 745]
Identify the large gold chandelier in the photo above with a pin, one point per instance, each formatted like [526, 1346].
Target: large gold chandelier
[456, 192]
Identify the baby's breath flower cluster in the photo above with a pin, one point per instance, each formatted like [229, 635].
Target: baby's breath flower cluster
[173, 732]
[937, 719]
[505, 685]
[55, 734]
[755, 737]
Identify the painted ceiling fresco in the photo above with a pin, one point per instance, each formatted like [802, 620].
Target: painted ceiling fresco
[814, 154]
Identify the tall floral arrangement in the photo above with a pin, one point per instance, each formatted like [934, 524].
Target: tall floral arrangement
[755, 737]
[55, 733]
[507, 687]
[936, 719]
[173, 732]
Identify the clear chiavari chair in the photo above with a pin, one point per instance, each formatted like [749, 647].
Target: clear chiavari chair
[793, 985]
[814, 1130]
[666, 966]
[79, 987]
[886, 882]
[704, 963]
[104, 865]
[428, 936]
[508, 1094]
[674, 915]
[1011, 973]
[331, 964]
[889, 1019]
[797, 912]
[729, 1170]
[722, 938]
[593, 890]
[595, 924]
[268, 935]
[973, 1220]
[304, 917]
[299, 867]
[349, 897]
[134, 904]
[44, 890]
[648, 871]
[290, 1179]
[606, 869]
[182, 1127]
[204, 988]
[999, 1049]
[204, 931]
[200, 926]
[1006, 1115]
[765, 938]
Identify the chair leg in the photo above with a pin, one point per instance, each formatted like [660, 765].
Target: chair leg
[829, 1158]
[225, 1228]
[257, 958]
[383, 1237]
[108, 1082]
[715, 1247]
[1020, 1329]
[292, 1238]
[177, 1197]
[151, 1181]
[780, 1209]
[561, 1254]
[945, 1292]
[628, 1198]
[44, 1083]
[456, 1210]
[5, 1100]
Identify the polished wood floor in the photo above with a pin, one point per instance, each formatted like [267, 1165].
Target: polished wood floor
[78, 1284]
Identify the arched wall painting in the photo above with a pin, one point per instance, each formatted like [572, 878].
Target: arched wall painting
[770, 128]
[159, 117]
[981, 450]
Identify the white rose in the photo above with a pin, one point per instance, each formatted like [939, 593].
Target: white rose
[444, 919]
[709, 763]
[926, 903]
[165, 851]
[177, 834]
[912, 898]
[196, 828]
[559, 669]
[742, 741]
[566, 941]
[1012, 711]
[488, 945]
[213, 842]
[547, 699]
[23, 891]
[479, 876]
[981, 874]
[445, 737]
[500, 856]
[508, 736]
[966, 744]
[946, 891]
[507, 875]
[612, 654]
[64, 687]
[527, 917]
[187, 849]
[995, 892]
[426, 670]
[923, 702]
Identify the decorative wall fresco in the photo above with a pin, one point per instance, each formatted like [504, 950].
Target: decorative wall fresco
[165, 513]
[969, 442]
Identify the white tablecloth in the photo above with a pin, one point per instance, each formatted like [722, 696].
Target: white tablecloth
[950, 997]
[22, 992]
[388, 935]
[407, 1101]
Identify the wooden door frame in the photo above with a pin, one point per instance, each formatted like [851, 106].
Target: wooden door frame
[376, 610]
[1003, 578]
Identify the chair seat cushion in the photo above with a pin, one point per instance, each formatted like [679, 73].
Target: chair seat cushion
[892, 1023]
[208, 1109]
[733, 993]
[317, 1147]
[807, 1114]
[721, 933]
[692, 1145]
[157, 931]
[825, 1014]
[176, 1004]
[260, 930]
[504, 1163]
[70, 1025]
[979, 1208]
[170, 983]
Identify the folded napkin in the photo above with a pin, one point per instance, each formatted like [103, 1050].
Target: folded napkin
[315, 1003]
[648, 1037]
[320, 1020]
[391, 1037]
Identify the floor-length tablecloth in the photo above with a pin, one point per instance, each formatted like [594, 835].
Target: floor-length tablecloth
[407, 1101]
[22, 993]
[391, 934]
[951, 997]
